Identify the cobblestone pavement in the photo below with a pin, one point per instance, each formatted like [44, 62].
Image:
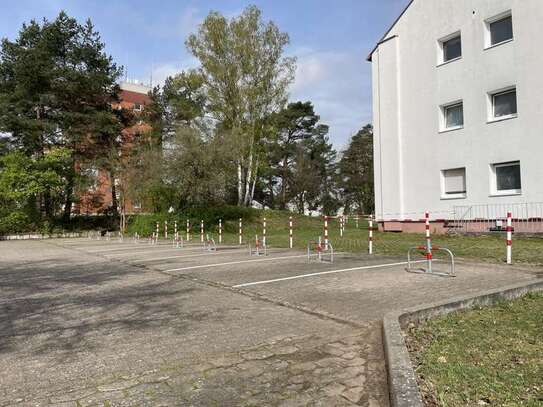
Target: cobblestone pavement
[106, 324]
[78, 330]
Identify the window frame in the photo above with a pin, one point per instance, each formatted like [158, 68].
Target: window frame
[443, 116]
[492, 107]
[488, 34]
[441, 49]
[453, 195]
[494, 179]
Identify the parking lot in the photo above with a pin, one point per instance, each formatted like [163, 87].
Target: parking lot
[94, 322]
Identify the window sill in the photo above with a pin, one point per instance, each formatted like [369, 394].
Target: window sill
[449, 61]
[455, 196]
[498, 194]
[451, 129]
[498, 44]
[501, 119]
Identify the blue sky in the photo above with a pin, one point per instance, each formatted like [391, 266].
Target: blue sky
[331, 40]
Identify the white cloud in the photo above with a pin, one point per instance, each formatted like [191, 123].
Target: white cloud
[162, 71]
[338, 84]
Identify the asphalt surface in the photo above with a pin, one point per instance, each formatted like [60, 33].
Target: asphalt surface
[86, 322]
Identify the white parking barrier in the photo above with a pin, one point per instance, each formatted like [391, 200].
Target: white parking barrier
[290, 232]
[509, 241]
[370, 232]
[240, 232]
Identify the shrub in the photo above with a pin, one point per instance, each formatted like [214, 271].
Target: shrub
[15, 222]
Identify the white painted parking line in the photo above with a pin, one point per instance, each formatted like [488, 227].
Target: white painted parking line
[173, 249]
[230, 263]
[190, 255]
[143, 246]
[322, 273]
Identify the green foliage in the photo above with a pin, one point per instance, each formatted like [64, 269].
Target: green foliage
[245, 76]
[145, 225]
[56, 88]
[356, 173]
[14, 222]
[23, 179]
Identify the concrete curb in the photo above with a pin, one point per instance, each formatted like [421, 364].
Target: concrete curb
[402, 382]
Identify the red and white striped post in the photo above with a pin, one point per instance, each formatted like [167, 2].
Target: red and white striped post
[188, 230]
[509, 241]
[428, 241]
[325, 232]
[202, 231]
[220, 230]
[370, 232]
[240, 232]
[165, 229]
[264, 232]
[341, 220]
[290, 241]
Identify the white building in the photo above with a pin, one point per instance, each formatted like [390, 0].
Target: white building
[458, 109]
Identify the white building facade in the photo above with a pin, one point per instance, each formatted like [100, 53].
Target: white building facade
[458, 109]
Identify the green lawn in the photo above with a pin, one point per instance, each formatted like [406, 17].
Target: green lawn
[490, 356]
[481, 248]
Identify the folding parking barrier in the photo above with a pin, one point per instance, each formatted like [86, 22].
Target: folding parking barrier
[260, 249]
[427, 251]
[209, 244]
[323, 252]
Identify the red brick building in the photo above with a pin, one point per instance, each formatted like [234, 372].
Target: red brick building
[98, 198]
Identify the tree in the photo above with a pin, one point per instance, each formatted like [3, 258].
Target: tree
[313, 179]
[56, 88]
[246, 78]
[22, 180]
[356, 172]
[293, 124]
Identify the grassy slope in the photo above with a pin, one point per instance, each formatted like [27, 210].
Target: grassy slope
[489, 356]
[482, 248]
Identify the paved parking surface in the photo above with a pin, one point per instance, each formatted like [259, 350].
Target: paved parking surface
[108, 323]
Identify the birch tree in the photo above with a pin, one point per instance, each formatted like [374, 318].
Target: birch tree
[246, 76]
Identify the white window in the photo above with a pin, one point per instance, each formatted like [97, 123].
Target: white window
[138, 107]
[503, 104]
[505, 178]
[499, 29]
[452, 116]
[449, 48]
[453, 183]
[137, 205]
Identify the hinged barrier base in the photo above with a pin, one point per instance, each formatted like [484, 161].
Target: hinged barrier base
[322, 252]
[209, 245]
[429, 270]
[258, 250]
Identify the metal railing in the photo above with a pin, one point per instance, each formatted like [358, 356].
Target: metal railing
[527, 218]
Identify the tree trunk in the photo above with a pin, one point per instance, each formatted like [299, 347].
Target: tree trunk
[254, 183]
[272, 197]
[114, 204]
[240, 184]
[248, 179]
[48, 204]
[284, 176]
[69, 190]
